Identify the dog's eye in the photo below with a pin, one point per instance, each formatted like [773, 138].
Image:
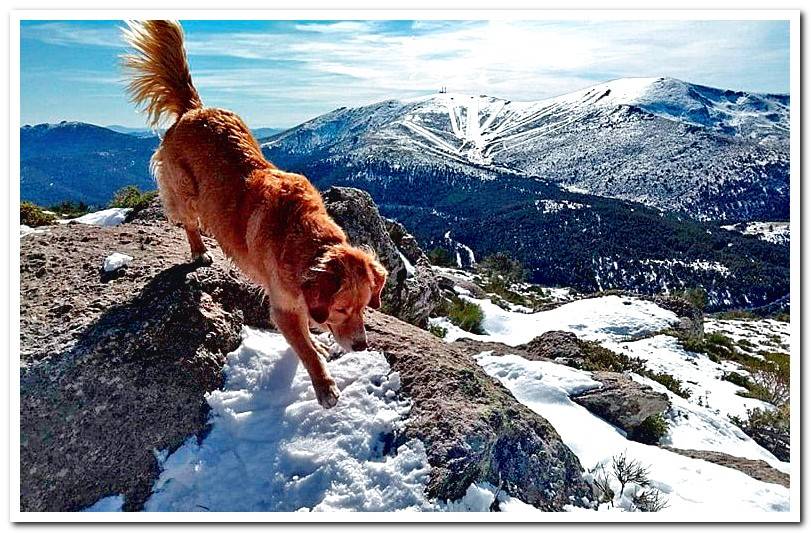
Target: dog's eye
[341, 310]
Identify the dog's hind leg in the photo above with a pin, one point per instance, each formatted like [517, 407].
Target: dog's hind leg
[178, 193]
[199, 252]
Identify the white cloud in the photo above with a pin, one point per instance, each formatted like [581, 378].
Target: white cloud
[357, 62]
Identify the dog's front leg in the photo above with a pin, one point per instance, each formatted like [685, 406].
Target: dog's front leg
[294, 328]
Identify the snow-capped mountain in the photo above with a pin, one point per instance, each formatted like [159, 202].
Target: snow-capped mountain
[706, 152]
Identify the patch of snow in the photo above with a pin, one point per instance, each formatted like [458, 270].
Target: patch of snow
[553, 206]
[107, 217]
[116, 260]
[461, 290]
[28, 230]
[603, 318]
[752, 336]
[774, 232]
[688, 484]
[480, 496]
[698, 373]
[693, 427]
[410, 270]
[107, 505]
[696, 265]
[273, 448]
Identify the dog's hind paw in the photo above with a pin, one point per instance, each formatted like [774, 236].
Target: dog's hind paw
[203, 259]
[327, 394]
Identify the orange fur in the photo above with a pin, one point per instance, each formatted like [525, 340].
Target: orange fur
[273, 224]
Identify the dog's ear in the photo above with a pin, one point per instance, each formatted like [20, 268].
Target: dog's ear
[379, 275]
[319, 288]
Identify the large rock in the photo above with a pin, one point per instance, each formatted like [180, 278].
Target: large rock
[409, 295]
[116, 367]
[757, 469]
[622, 401]
[691, 318]
[472, 427]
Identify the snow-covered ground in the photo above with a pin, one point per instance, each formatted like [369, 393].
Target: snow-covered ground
[613, 318]
[688, 484]
[700, 422]
[774, 232]
[698, 373]
[273, 448]
[105, 217]
[752, 336]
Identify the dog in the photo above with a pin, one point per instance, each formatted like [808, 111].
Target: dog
[212, 176]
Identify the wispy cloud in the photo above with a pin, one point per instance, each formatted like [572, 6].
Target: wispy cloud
[325, 64]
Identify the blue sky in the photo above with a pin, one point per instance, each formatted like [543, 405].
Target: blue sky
[281, 73]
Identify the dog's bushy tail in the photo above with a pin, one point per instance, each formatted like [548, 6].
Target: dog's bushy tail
[159, 78]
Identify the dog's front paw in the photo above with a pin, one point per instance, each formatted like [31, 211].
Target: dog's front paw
[327, 394]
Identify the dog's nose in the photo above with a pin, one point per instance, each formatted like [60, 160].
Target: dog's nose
[359, 346]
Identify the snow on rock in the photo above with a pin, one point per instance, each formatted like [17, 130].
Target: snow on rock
[107, 505]
[273, 448]
[603, 318]
[28, 230]
[106, 217]
[698, 373]
[688, 484]
[116, 260]
[410, 270]
[479, 498]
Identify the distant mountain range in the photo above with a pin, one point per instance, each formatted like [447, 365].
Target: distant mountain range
[259, 133]
[624, 184]
[707, 153]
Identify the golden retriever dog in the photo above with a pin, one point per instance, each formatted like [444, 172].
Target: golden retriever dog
[273, 225]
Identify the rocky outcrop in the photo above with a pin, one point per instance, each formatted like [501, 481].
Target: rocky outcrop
[411, 294]
[691, 318]
[757, 469]
[621, 401]
[116, 367]
[472, 427]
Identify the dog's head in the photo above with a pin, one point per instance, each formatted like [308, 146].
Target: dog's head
[341, 283]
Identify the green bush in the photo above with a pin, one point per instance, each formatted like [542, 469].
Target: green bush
[440, 257]
[132, 197]
[596, 357]
[651, 430]
[467, 316]
[735, 315]
[771, 428]
[671, 383]
[738, 379]
[501, 265]
[33, 215]
[439, 331]
[70, 209]
[696, 296]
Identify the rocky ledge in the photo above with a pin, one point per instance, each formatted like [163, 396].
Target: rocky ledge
[115, 367]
